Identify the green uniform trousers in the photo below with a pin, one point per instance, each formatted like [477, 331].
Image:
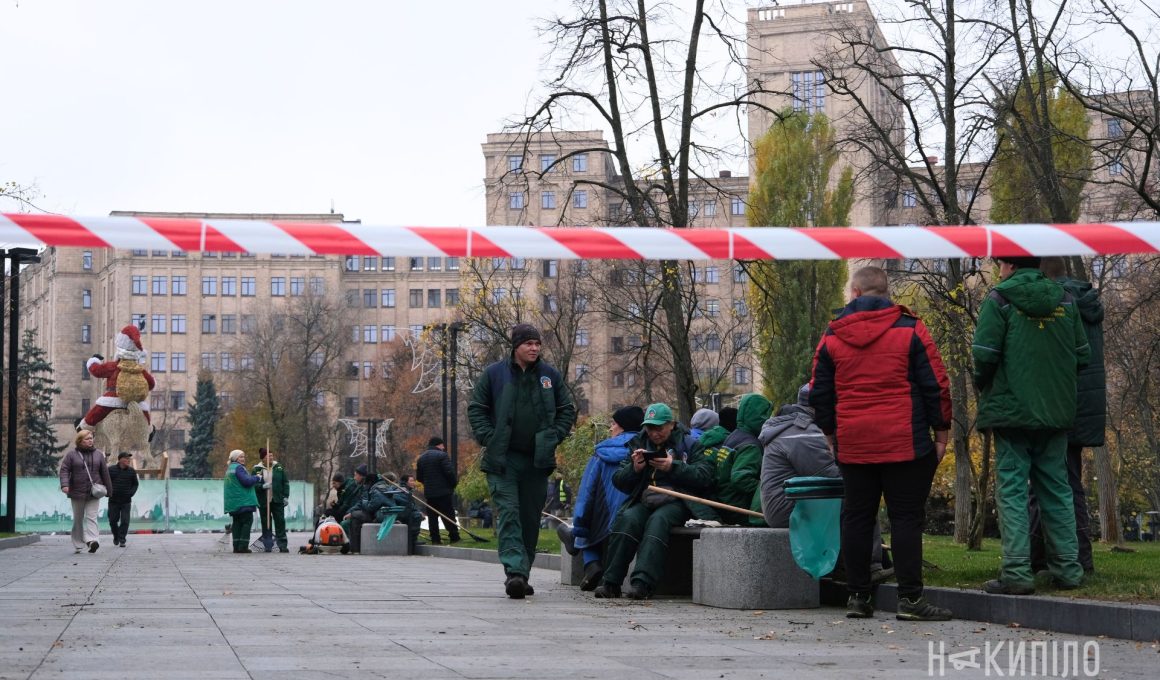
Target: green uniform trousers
[518, 495]
[278, 516]
[643, 532]
[1038, 455]
[243, 522]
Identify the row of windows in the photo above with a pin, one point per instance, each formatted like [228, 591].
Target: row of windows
[548, 163]
[370, 263]
[371, 334]
[226, 361]
[373, 297]
[517, 199]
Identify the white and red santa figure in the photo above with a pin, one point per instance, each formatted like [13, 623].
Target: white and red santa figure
[128, 357]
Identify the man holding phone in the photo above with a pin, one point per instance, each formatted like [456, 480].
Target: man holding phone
[664, 456]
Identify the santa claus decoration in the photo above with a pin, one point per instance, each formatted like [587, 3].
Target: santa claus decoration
[127, 383]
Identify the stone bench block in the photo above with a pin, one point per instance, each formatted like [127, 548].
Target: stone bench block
[750, 569]
[394, 543]
[571, 568]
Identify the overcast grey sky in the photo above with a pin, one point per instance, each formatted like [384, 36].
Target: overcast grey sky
[262, 106]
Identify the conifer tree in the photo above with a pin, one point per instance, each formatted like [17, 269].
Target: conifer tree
[203, 418]
[36, 447]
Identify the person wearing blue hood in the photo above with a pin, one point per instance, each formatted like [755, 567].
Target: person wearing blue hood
[598, 500]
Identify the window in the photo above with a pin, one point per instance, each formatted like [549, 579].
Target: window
[87, 260]
[712, 275]
[694, 209]
[551, 269]
[177, 401]
[434, 264]
[278, 286]
[434, 298]
[582, 371]
[351, 263]
[770, 14]
[157, 362]
[229, 325]
[249, 322]
[370, 298]
[246, 362]
[206, 254]
[297, 285]
[547, 200]
[157, 402]
[635, 342]
[519, 263]
[416, 330]
[740, 308]
[86, 404]
[416, 297]
[179, 285]
[550, 304]
[86, 299]
[139, 320]
[809, 91]
[139, 253]
[208, 361]
[388, 295]
[453, 264]
[710, 208]
[741, 375]
[416, 264]
[226, 400]
[249, 286]
[160, 253]
[618, 379]
[580, 198]
[740, 342]
[317, 287]
[712, 308]
[388, 264]
[617, 344]
[451, 297]
[85, 375]
[370, 334]
[739, 274]
[736, 206]
[516, 200]
[713, 342]
[159, 324]
[177, 324]
[229, 255]
[352, 369]
[909, 200]
[160, 284]
[546, 162]
[515, 163]
[370, 263]
[209, 323]
[86, 334]
[581, 337]
[229, 285]
[176, 439]
[1116, 167]
[350, 407]
[580, 162]
[1115, 128]
[209, 285]
[139, 284]
[388, 333]
[177, 362]
[229, 363]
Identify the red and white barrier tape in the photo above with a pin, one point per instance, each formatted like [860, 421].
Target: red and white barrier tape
[619, 243]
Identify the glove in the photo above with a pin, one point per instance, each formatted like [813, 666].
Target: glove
[267, 485]
[98, 357]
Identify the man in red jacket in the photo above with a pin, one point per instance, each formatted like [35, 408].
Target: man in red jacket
[879, 389]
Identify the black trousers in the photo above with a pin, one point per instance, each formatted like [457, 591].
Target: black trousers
[905, 487]
[357, 519]
[445, 505]
[1082, 520]
[119, 519]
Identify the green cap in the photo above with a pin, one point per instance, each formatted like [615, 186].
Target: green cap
[658, 414]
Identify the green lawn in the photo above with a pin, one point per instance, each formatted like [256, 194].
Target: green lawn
[1125, 577]
[5, 535]
[549, 541]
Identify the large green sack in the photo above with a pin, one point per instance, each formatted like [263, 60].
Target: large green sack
[386, 524]
[815, 524]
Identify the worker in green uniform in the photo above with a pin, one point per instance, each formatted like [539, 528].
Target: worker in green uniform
[240, 500]
[272, 499]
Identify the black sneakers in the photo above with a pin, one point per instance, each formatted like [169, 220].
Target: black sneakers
[564, 532]
[997, 587]
[638, 591]
[921, 610]
[516, 587]
[593, 572]
[859, 607]
[607, 591]
[93, 545]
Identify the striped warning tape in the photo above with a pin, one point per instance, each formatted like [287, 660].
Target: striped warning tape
[613, 243]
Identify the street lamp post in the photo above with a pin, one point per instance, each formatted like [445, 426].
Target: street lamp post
[13, 258]
[372, 439]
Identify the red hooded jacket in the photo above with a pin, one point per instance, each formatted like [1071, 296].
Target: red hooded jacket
[879, 384]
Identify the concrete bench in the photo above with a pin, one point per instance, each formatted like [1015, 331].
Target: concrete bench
[394, 543]
[750, 568]
[678, 575]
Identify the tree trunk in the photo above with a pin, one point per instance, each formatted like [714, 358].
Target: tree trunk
[979, 520]
[962, 441]
[1109, 497]
[678, 340]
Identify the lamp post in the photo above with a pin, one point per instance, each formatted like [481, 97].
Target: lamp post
[11, 260]
[453, 443]
[372, 437]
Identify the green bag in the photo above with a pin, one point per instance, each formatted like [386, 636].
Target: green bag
[815, 524]
[385, 526]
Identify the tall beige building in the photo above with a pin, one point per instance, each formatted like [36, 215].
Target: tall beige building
[193, 307]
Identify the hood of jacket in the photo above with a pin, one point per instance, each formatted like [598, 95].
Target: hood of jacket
[614, 449]
[1087, 299]
[865, 319]
[714, 436]
[753, 410]
[1031, 292]
[790, 415]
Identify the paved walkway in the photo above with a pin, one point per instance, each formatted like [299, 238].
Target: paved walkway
[181, 606]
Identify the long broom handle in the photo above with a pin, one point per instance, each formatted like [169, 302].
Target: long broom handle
[705, 501]
[417, 500]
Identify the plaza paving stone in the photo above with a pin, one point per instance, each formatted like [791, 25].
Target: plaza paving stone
[183, 606]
